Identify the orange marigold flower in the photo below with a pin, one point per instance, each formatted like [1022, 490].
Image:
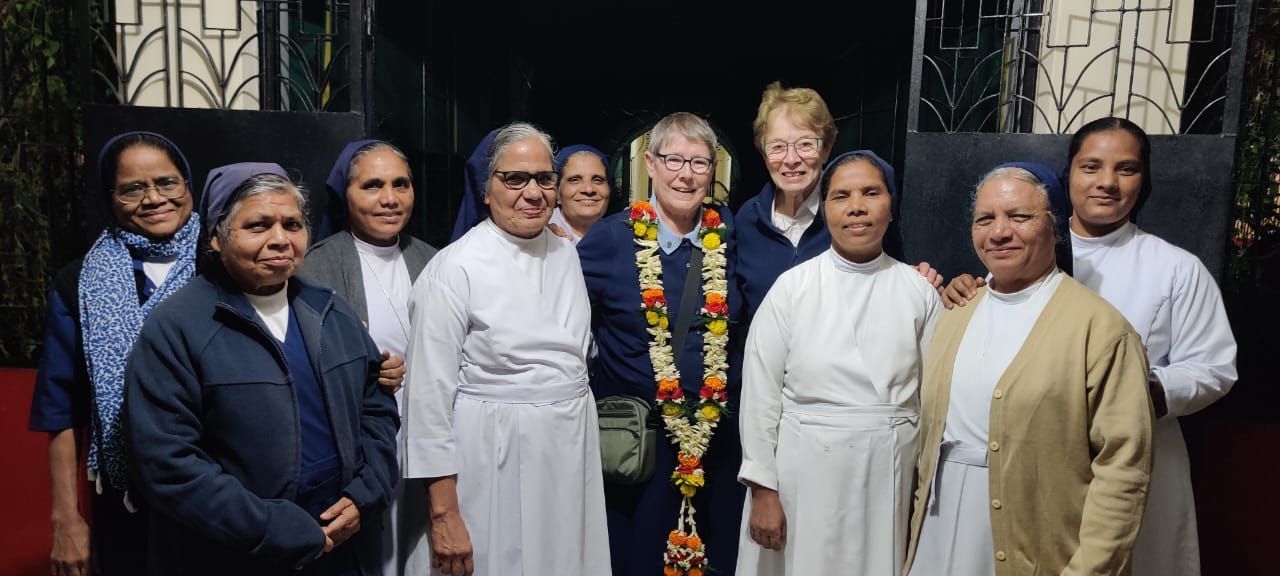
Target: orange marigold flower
[668, 385]
[688, 460]
[695, 572]
[715, 298]
[677, 538]
[693, 542]
[710, 218]
[714, 383]
[673, 571]
[641, 210]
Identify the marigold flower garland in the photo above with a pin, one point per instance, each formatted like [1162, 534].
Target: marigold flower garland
[690, 425]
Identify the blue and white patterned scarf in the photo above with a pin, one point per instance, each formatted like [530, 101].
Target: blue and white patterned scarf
[110, 320]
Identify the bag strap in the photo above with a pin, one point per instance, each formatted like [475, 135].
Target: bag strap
[688, 304]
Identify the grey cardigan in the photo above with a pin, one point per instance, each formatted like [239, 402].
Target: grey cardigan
[333, 262]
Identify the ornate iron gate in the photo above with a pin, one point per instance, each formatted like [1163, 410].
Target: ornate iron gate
[1001, 80]
[287, 81]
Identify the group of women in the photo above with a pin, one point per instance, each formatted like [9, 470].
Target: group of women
[254, 403]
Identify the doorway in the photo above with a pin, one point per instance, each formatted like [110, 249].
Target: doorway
[447, 73]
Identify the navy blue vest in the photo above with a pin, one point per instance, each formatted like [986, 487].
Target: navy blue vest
[319, 451]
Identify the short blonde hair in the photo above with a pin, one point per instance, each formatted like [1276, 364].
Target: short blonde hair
[805, 103]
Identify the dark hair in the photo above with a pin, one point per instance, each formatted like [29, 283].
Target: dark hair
[850, 158]
[376, 146]
[111, 157]
[1107, 125]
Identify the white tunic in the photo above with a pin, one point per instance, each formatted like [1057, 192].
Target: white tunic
[557, 218]
[1172, 302]
[830, 402]
[386, 288]
[956, 535]
[497, 394]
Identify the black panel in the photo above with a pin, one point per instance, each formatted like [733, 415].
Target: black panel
[304, 143]
[1189, 205]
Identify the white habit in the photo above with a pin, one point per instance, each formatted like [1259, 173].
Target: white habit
[956, 535]
[386, 289]
[829, 413]
[557, 218]
[497, 394]
[1174, 305]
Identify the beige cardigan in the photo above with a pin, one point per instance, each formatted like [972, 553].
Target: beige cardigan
[1070, 438]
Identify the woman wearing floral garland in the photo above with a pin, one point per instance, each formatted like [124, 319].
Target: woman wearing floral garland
[636, 264]
[498, 416]
[829, 393]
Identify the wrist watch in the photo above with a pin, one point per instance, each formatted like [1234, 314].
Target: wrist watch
[1157, 394]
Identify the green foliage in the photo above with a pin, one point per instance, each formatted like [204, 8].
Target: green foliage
[1257, 204]
[38, 139]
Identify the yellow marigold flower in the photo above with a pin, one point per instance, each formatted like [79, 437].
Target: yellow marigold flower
[663, 322]
[711, 241]
[670, 410]
[696, 480]
[718, 327]
[709, 412]
[652, 234]
[693, 542]
[641, 229]
[688, 490]
[651, 317]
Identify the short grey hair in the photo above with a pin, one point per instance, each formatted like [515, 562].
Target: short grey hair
[256, 186]
[515, 132]
[685, 124]
[1022, 175]
[372, 147]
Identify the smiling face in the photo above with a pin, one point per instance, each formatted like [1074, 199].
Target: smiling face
[584, 190]
[1013, 233]
[1106, 181]
[379, 197]
[265, 243]
[858, 209]
[524, 212]
[155, 217]
[679, 193]
[792, 174]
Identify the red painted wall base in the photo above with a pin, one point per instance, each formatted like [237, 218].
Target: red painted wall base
[24, 481]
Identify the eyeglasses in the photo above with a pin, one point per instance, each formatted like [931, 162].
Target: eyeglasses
[676, 162]
[805, 148]
[135, 192]
[518, 179]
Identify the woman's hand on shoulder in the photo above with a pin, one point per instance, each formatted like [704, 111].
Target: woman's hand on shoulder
[961, 290]
[931, 275]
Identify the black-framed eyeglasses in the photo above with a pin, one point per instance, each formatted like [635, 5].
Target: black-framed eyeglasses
[518, 179]
[807, 147]
[676, 162]
[135, 192]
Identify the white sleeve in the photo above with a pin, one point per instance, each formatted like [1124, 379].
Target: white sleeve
[1202, 350]
[433, 362]
[763, 373]
[933, 309]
